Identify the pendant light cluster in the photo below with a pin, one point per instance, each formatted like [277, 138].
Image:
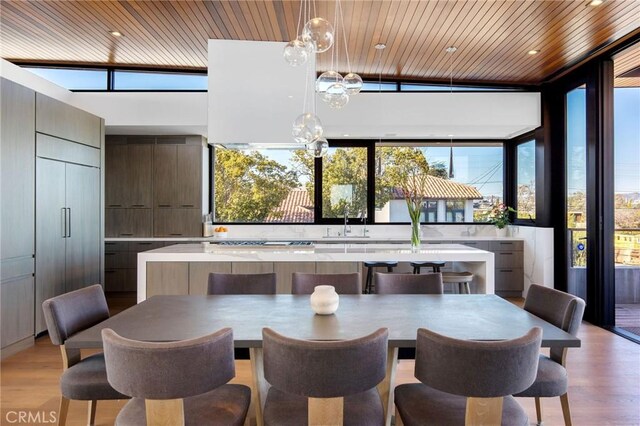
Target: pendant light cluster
[333, 88]
[318, 35]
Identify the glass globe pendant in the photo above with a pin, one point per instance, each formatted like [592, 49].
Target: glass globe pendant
[326, 79]
[318, 147]
[320, 32]
[353, 83]
[297, 52]
[306, 128]
[336, 96]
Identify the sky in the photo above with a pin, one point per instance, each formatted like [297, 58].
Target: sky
[626, 140]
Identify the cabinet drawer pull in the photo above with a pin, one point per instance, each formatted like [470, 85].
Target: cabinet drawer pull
[126, 235]
[186, 205]
[145, 244]
[176, 234]
[506, 254]
[115, 205]
[137, 205]
[506, 270]
[109, 254]
[109, 272]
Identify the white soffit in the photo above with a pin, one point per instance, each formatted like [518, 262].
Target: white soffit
[254, 95]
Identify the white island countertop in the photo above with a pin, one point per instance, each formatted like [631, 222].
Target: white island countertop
[480, 262]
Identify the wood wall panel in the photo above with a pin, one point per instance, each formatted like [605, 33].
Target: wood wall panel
[493, 37]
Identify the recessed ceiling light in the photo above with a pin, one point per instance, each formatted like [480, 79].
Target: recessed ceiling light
[596, 2]
[115, 33]
[345, 135]
[533, 52]
[380, 46]
[451, 49]
[290, 96]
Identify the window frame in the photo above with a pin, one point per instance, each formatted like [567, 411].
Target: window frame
[511, 176]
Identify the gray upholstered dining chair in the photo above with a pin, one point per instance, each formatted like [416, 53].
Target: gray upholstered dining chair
[241, 283]
[303, 283]
[82, 379]
[324, 382]
[409, 283]
[468, 382]
[176, 383]
[564, 311]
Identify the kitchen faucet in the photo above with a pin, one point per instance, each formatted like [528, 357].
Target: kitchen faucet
[347, 228]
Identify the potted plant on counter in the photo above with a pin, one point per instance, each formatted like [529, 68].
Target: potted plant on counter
[499, 216]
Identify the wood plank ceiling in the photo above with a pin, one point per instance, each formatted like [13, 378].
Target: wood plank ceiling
[493, 37]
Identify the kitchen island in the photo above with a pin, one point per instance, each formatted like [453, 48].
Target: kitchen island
[184, 268]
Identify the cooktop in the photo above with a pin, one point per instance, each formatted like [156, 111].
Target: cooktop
[266, 243]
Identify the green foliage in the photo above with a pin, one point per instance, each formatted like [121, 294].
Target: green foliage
[249, 186]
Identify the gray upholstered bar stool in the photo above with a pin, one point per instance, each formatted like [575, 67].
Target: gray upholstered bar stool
[468, 382]
[176, 383]
[564, 311]
[324, 382]
[408, 283]
[241, 283]
[302, 283]
[461, 278]
[368, 287]
[435, 266]
[82, 379]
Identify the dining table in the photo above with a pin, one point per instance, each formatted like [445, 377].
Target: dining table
[482, 317]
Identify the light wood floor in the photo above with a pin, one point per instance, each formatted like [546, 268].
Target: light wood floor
[604, 377]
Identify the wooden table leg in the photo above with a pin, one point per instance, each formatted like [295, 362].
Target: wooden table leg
[385, 388]
[260, 385]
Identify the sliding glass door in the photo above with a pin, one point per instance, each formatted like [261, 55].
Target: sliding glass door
[626, 118]
[576, 190]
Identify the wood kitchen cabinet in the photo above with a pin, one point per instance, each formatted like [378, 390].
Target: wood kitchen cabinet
[17, 195]
[177, 176]
[128, 223]
[128, 178]
[68, 241]
[177, 222]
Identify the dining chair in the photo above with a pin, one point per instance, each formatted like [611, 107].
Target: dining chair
[369, 284]
[324, 382]
[408, 283]
[564, 311]
[241, 283]
[304, 283]
[82, 379]
[465, 382]
[176, 383]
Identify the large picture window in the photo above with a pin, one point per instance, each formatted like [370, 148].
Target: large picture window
[466, 195]
[263, 186]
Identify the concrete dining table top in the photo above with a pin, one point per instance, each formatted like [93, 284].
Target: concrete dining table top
[474, 317]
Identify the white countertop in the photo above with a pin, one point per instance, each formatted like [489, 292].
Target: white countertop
[321, 240]
[346, 252]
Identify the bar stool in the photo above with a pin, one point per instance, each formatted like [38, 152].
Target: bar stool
[461, 278]
[368, 287]
[435, 265]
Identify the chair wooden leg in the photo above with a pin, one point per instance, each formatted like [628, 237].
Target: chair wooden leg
[564, 400]
[91, 413]
[467, 289]
[538, 410]
[398, 419]
[62, 411]
[367, 286]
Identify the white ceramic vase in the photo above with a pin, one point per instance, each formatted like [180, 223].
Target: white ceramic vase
[324, 300]
[502, 232]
